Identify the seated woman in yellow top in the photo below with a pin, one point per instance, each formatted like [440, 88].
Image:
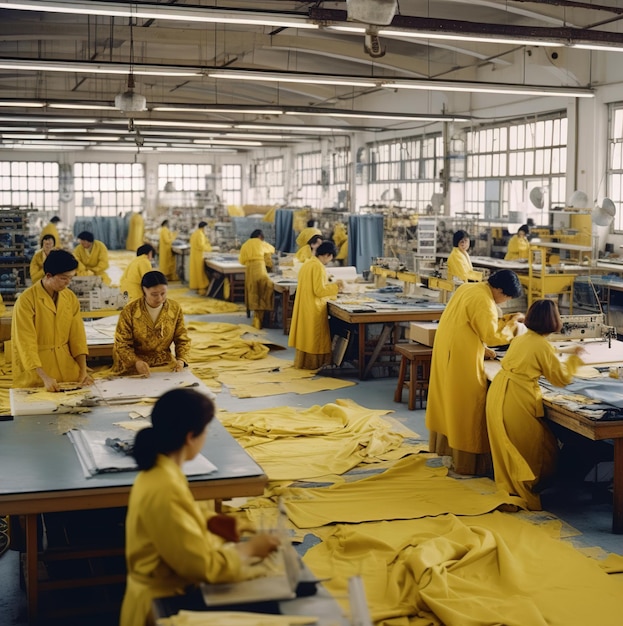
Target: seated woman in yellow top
[308, 251]
[36, 263]
[519, 246]
[92, 256]
[147, 328]
[172, 545]
[130, 281]
[459, 263]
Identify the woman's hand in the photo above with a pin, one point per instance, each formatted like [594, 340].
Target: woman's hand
[259, 546]
[179, 365]
[50, 384]
[490, 354]
[142, 368]
[85, 378]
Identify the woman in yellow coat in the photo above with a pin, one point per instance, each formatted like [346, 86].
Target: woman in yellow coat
[340, 238]
[92, 256]
[136, 232]
[147, 328]
[308, 251]
[309, 331]
[171, 543]
[166, 260]
[523, 448]
[132, 276]
[51, 229]
[259, 293]
[302, 239]
[455, 408]
[199, 244]
[459, 263]
[48, 340]
[519, 246]
[48, 243]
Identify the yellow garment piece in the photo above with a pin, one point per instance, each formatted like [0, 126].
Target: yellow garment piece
[458, 384]
[138, 337]
[50, 229]
[306, 234]
[133, 274]
[303, 253]
[270, 384]
[309, 330]
[460, 266]
[193, 305]
[259, 293]
[291, 444]
[168, 546]
[36, 266]
[47, 335]
[518, 248]
[136, 232]
[94, 260]
[523, 448]
[409, 490]
[490, 569]
[198, 245]
[166, 260]
[229, 618]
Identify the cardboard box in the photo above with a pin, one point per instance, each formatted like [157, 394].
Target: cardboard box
[423, 332]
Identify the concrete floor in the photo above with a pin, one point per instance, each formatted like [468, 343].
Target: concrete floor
[590, 514]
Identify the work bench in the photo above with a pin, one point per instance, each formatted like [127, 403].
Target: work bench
[225, 267]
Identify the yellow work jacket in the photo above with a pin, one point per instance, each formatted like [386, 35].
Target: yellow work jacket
[258, 288]
[36, 266]
[460, 266]
[94, 260]
[50, 229]
[198, 245]
[133, 274]
[518, 248]
[166, 260]
[136, 232]
[305, 235]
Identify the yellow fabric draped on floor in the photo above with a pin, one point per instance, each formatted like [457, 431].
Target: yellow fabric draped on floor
[490, 569]
[293, 444]
[192, 304]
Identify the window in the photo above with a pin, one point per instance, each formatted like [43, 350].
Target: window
[29, 183]
[231, 184]
[615, 161]
[266, 181]
[107, 189]
[308, 172]
[184, 177]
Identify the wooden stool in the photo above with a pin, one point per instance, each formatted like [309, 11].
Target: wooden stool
[419, 358]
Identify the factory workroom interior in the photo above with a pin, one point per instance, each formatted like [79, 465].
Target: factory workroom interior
[286, 341]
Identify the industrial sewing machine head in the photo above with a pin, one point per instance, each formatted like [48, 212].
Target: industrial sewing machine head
[583, 327]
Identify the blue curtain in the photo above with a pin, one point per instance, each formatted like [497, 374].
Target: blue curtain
[284, 234]
[112, 231]
[365, 240]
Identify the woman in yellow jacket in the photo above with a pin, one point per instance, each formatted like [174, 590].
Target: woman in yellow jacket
[459, 263]
[136, 232]
[132, 276]
[48, 340]
[92, 256]
[259, 293]
[309, 331]
[340, 239]
[199, 244]
[171, 544]
[48, 243]
[455, 408]
[308, 251]
[523, 448]
[519, 246]
[166, 260]
[51, 229]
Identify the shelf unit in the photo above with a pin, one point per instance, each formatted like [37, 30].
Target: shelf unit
[13, 261]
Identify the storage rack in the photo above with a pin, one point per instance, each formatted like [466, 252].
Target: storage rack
[13, 261]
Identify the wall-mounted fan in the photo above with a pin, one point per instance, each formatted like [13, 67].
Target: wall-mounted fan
[537, 197]
[578, 200]
[602, 215]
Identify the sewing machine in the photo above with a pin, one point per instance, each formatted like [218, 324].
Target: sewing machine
[582, 327]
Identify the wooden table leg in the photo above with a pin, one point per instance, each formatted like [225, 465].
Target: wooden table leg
[383, 337]
[285, 310]
[362, 350]
[30, 573]
[617, 496]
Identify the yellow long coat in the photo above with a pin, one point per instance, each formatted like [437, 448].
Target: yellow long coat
[166, 260]
[136, 232]
[523, 448]
[198, 245]
[168, 546]
[309, 331]
[518, 248]
[303, 253]
[340, 239]
[130, 280]
[50, 229]
[46, 335]
[93, 260]
[458, 383]
[36, 266]
[460, 266]
[258, 287]
[138, 337]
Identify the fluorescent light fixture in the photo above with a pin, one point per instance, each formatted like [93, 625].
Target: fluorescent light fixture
[296, 129]
[162, 12]
[25, 136]
[46, 120]
[382, 116]
[305, 79]
[167, 124]
[229, 142]
[82, 138]
[597, 47]
[24, 104]
[81, 106]
[227, 109]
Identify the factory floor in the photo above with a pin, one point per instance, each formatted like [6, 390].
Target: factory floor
[585, 508]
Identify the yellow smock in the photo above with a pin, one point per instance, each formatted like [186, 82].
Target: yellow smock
[309, 331]
[166, 260]
[198, 245]
[136, 232]
[458, 384]
[50, 229]
[130, 280]
[259, 293]
[306, 234]
[94, 260]
[340, 239]
[304, 253]
[36, 266]
[138, 337]
[47, 335]
[460, 266]
[168, 546]
[523, 448]
[518, 248]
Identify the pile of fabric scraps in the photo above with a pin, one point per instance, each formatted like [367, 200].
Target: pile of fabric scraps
[192, 304]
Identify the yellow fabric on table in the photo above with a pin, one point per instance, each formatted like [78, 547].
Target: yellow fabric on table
[232, 618]
[411, 489]
[293, 444]
[490, 569]
[192, 304]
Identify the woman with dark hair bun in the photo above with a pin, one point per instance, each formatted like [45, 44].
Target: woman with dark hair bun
[523, 448]
[171, 544]
[146, 329]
